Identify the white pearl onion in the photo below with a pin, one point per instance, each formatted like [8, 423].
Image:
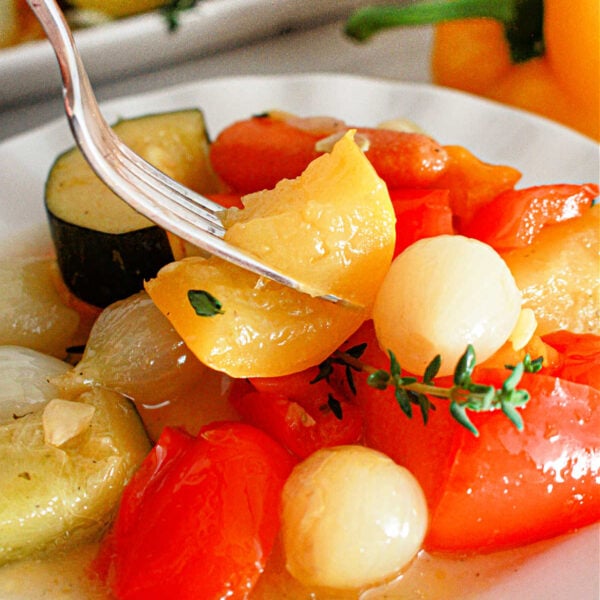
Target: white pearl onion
[352, 517]
[441, 294]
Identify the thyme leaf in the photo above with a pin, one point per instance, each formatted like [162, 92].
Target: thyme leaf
[204, 303]
[530, 365]
[356, 351]
[335, 406]
[432, 369]
[325, 370]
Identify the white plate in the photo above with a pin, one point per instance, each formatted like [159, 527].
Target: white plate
[545, 152]
[142, 42]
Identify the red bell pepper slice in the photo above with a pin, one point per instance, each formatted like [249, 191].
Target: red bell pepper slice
[420, 213]
[515, 217]
[227, 200]
[473, 183]
[504, 488]
[199, 518]
[298, 413]
[579, 358]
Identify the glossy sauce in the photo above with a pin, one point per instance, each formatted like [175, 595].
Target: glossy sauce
[63, 577]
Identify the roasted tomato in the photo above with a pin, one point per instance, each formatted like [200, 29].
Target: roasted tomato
[579, 356]
[420, 213]
[256, 153]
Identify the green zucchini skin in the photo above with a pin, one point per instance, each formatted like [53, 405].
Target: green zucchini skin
[101, 268]
[104, 248]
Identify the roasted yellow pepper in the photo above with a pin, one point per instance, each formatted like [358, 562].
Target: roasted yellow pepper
[540, 55]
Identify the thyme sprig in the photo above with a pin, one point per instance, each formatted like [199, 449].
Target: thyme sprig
[464, 395]
[530, 365]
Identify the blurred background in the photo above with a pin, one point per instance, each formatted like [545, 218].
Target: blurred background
[540, 55]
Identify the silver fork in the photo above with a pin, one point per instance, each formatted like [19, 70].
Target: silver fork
[146, 189]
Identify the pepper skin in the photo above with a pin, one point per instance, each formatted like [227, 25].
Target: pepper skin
[474, 55]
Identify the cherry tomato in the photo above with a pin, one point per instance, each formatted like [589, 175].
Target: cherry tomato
[199, 518]
[405, 159]
[504, 488]
[299, 414]
[515, 217]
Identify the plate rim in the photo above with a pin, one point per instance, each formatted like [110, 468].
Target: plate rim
[312, 79]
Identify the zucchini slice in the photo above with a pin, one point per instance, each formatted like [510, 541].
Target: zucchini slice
[59, 490]
[104, 249]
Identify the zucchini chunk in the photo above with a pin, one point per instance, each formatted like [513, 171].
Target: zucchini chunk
[105, 249]
[64, 459]
[32, 312]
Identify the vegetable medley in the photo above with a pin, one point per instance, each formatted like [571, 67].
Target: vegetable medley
[197, 420]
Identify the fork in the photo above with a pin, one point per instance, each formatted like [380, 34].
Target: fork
[147, 190]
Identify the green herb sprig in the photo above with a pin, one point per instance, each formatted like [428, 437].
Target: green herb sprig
[464, 395]
[530, 365]
[172, 11]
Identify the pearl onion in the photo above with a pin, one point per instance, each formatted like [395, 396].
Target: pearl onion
[352, 517]
[440, 295]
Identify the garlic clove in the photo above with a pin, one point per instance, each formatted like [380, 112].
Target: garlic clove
[64, 420]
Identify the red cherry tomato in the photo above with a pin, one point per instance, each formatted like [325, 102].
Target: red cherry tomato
[298, 413]
[199, 518]
[515, 217]
[505, 488]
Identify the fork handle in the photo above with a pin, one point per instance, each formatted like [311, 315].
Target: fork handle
[79, 100]
[92, 134]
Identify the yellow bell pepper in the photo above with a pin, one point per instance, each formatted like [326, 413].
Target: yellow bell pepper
[539, 55]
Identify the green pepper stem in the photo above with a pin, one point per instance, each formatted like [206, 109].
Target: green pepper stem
[367, 21]
[522, 20]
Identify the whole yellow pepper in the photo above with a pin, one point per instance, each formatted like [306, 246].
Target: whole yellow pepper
[540, 55]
